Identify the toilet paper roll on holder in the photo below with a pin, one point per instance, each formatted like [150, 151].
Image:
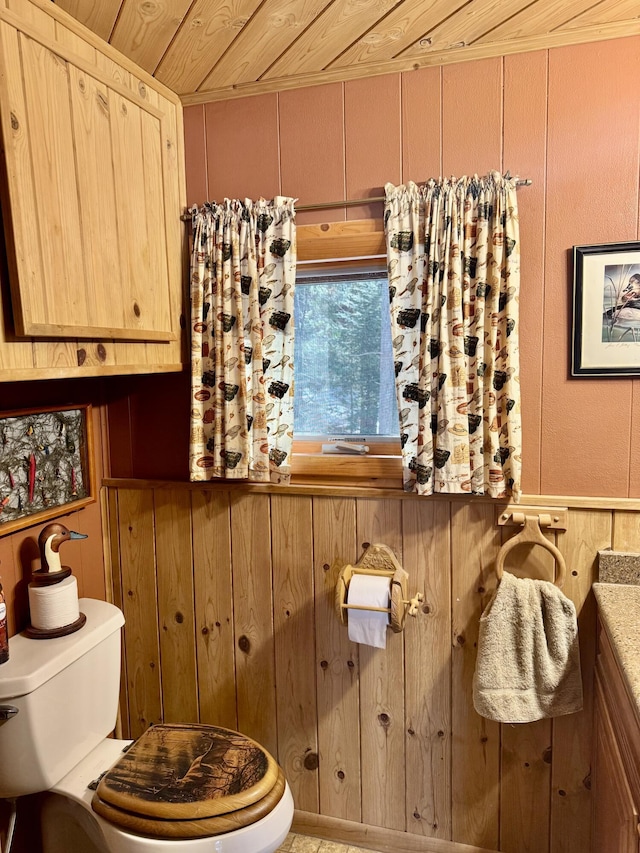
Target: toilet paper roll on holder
[378, 560]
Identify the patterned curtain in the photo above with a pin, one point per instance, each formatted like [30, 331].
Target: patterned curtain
[243, 270]
[454, 267]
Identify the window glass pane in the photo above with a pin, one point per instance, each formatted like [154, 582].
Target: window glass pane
[344, 376]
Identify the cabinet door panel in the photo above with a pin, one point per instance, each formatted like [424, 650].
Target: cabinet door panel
[86, 198]
[25, 257]
[137, 161]
[92, 135]
[46, 86]
[152, 157]
[615, 822]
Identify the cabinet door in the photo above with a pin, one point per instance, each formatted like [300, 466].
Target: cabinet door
[86, 201]
[615, 827]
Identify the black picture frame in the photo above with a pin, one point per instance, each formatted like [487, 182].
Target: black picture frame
[606, 310]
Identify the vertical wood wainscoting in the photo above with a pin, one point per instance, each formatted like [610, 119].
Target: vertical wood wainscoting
[228, 598]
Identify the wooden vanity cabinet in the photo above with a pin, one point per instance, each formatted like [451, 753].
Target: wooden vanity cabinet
[92, 194]
[616, 759]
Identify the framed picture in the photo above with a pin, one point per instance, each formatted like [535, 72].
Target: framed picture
[46, 464]
[606, 310]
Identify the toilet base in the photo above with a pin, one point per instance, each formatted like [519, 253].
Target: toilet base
[69, 825]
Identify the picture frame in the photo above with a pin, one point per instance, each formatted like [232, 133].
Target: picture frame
[606, 310]
[46, 464]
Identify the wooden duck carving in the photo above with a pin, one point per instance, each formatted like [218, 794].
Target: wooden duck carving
[49, 541]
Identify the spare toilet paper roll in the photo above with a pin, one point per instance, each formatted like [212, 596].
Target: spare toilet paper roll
[368, 626]
[54, 606]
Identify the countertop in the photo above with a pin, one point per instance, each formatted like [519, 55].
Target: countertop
[619, 611]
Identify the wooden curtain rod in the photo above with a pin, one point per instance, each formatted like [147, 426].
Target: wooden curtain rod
[324, 205]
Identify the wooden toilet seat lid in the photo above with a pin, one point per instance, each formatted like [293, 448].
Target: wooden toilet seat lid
[197, 828]
[188, 772]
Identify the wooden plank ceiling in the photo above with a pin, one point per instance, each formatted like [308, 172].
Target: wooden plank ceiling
[215, 49]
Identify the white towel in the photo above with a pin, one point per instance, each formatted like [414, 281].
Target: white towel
[368, 626]
[528, 664]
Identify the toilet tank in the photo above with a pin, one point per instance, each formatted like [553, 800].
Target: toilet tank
[65, 691]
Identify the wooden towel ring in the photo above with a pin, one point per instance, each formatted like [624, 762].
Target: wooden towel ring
[532, 535]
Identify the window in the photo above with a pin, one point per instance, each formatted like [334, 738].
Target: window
[345, 381]
[344, 363]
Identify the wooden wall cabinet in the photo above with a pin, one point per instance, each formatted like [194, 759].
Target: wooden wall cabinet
[93, 190]
[616, 779]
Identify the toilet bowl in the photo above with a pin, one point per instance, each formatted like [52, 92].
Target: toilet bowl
[69, 824]
[177, 789]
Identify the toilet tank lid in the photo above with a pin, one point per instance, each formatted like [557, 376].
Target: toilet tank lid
[33, 662]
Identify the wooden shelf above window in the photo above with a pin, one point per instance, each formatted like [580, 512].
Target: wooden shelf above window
[361, 238]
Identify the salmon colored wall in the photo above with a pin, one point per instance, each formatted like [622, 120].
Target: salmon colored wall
[19, 551]
[567, 118]
[148, 426]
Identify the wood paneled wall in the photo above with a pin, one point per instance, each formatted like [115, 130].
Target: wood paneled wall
[228, 599]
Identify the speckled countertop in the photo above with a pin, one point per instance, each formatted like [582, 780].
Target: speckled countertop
[619, 610]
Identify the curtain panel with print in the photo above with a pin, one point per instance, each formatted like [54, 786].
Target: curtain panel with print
[243, 269]
[454, 266]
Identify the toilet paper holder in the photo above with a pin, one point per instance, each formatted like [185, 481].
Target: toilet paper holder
[378, 560]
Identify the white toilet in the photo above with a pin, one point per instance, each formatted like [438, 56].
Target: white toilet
[179, 789]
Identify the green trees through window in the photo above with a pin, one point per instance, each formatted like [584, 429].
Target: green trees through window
[344, 371]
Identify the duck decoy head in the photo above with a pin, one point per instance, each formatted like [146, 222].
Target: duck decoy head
[49, 541]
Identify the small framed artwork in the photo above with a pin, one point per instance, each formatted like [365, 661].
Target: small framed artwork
[606, 310]
[46, 464]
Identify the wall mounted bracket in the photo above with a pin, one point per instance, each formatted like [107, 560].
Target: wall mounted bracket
[549, 518]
